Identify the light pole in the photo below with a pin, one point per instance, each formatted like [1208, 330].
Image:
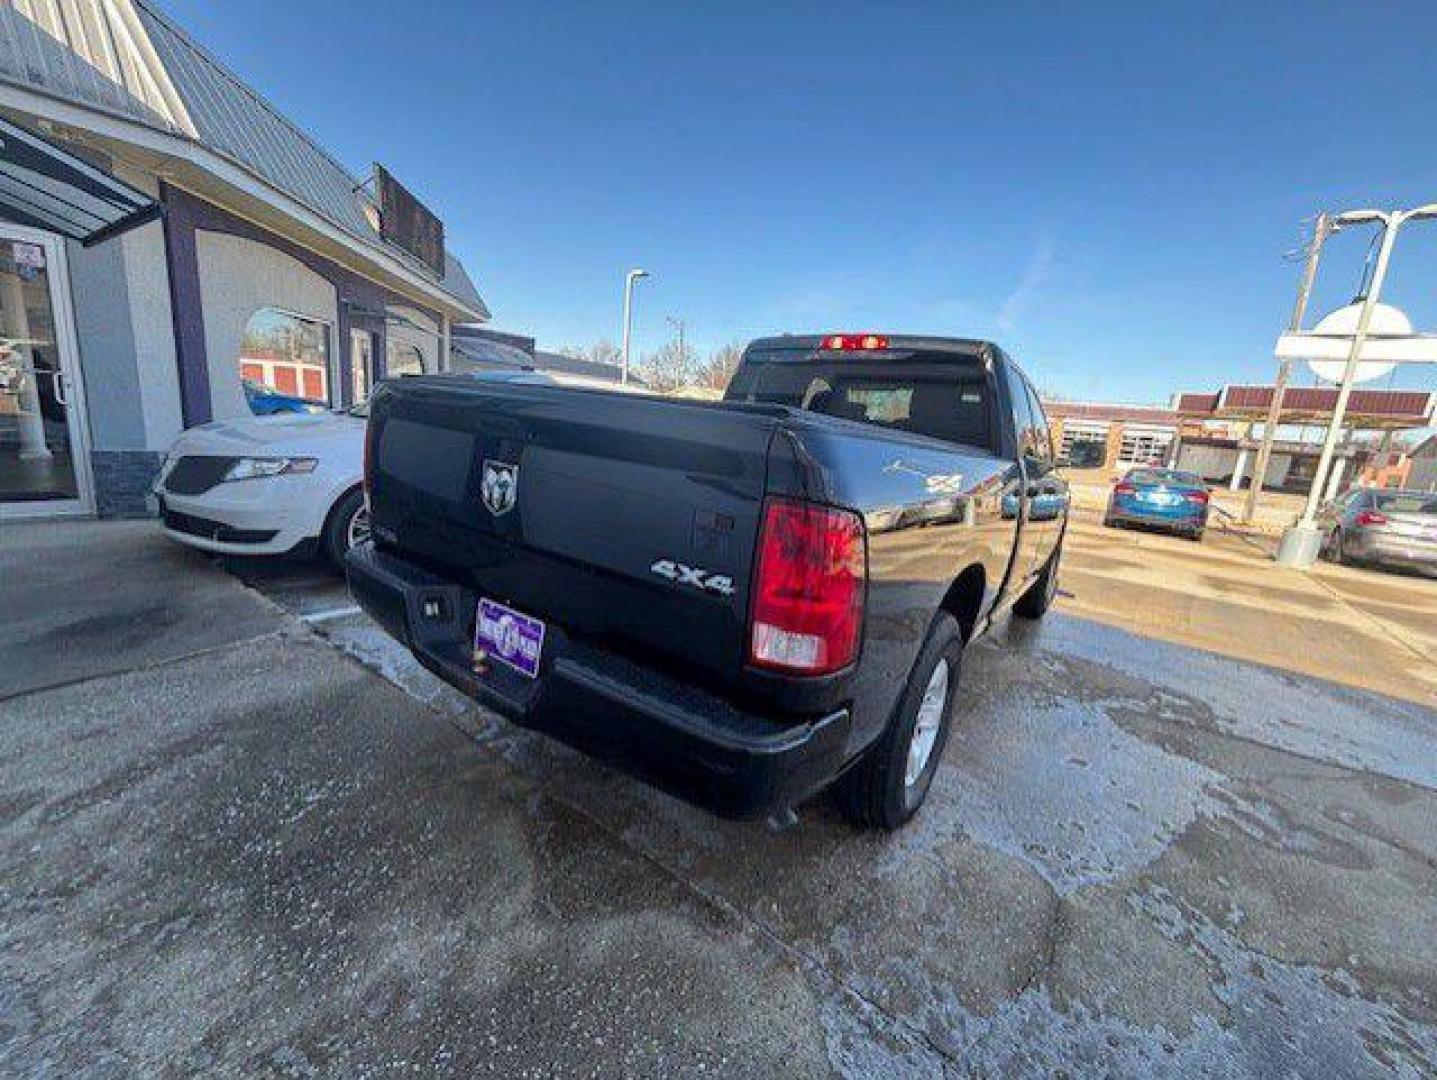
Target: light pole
[629, 279]
[1300, 543]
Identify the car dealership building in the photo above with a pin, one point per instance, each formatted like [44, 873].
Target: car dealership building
[174, 251]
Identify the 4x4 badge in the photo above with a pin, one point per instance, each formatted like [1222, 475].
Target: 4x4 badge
[500, 487]
[693, 576]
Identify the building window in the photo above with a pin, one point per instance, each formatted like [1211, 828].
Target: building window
[1145, 447]
[1085, 445]
[402, 358]
[284, 363]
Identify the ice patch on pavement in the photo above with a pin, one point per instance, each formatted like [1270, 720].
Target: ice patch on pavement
[863, 1041]
[1293, 1019]
[1063, 788]
[1277, 1019]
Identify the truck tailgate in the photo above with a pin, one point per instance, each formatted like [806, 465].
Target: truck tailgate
[605, 488]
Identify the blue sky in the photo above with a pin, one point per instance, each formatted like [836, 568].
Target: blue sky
[1108, 193]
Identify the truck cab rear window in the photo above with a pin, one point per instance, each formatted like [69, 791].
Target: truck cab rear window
[947, 400]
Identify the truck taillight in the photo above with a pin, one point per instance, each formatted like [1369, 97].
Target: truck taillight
[855, 342]
[1196, 496]
[807, 609]
[1371, 517]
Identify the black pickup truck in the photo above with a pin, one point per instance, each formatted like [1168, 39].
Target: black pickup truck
[739, 601]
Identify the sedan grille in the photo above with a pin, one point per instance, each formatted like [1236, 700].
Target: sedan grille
[195, 475]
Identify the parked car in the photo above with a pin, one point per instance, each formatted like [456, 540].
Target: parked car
[1383, 527]
[738, 601]
[267, 401]
[267, 485]
[1168, 499]
[278, 483]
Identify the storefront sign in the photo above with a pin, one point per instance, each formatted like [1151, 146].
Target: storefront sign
[407, 223]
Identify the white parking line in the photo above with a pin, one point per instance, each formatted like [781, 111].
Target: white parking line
[331, 613]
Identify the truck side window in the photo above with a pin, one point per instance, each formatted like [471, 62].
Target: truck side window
[1022, 413]
[1042, 437]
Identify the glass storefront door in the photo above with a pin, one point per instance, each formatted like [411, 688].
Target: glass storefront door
[44, 468]
[361, 365]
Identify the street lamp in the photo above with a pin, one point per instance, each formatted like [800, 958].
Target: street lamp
[1300, 543]
[629, 279]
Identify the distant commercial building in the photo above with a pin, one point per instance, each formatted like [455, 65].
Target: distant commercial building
[474, 348]
[479, 348]
[1095, 435]
[1220, 445]
[1212, 434]
[173, 249]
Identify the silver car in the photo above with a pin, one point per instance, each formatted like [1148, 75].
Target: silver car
[1382, 526]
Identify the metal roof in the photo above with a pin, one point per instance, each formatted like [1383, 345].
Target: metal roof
[127, 58]
[1374, 409]
[1110, 412]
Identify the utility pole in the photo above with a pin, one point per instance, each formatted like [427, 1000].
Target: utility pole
[678, 324]
[1321, 230]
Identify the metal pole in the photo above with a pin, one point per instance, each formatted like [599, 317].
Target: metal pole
[1321, 230]
[1391, 225]
[628, 312]
[629, 279]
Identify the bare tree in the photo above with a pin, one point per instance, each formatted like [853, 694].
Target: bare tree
[668, 369]
[715, 372]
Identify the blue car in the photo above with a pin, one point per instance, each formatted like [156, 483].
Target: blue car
[266, 401]
[1176, 502]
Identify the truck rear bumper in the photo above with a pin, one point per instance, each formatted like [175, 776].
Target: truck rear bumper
[677, 737]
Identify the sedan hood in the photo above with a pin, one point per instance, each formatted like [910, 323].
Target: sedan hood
[274, 435]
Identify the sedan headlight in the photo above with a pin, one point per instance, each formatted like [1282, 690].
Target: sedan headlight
[253, 468]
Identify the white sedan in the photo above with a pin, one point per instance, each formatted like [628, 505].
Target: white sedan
[268, 485]
[288, 482]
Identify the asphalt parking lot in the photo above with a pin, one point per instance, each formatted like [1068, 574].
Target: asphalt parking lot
[242, 835]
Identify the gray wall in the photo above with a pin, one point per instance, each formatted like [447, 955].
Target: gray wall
[238, 277]
[101, 298]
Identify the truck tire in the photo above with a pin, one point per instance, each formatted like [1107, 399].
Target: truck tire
[889, 782]
[1034, 603]
[347, 524]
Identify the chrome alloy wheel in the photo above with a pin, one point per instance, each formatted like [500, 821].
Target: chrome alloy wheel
[927, 724]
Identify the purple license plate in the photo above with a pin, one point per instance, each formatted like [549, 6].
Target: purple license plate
[509, 636]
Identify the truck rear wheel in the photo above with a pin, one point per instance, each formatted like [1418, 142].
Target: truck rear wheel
[889, 783]
[1034, 603]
